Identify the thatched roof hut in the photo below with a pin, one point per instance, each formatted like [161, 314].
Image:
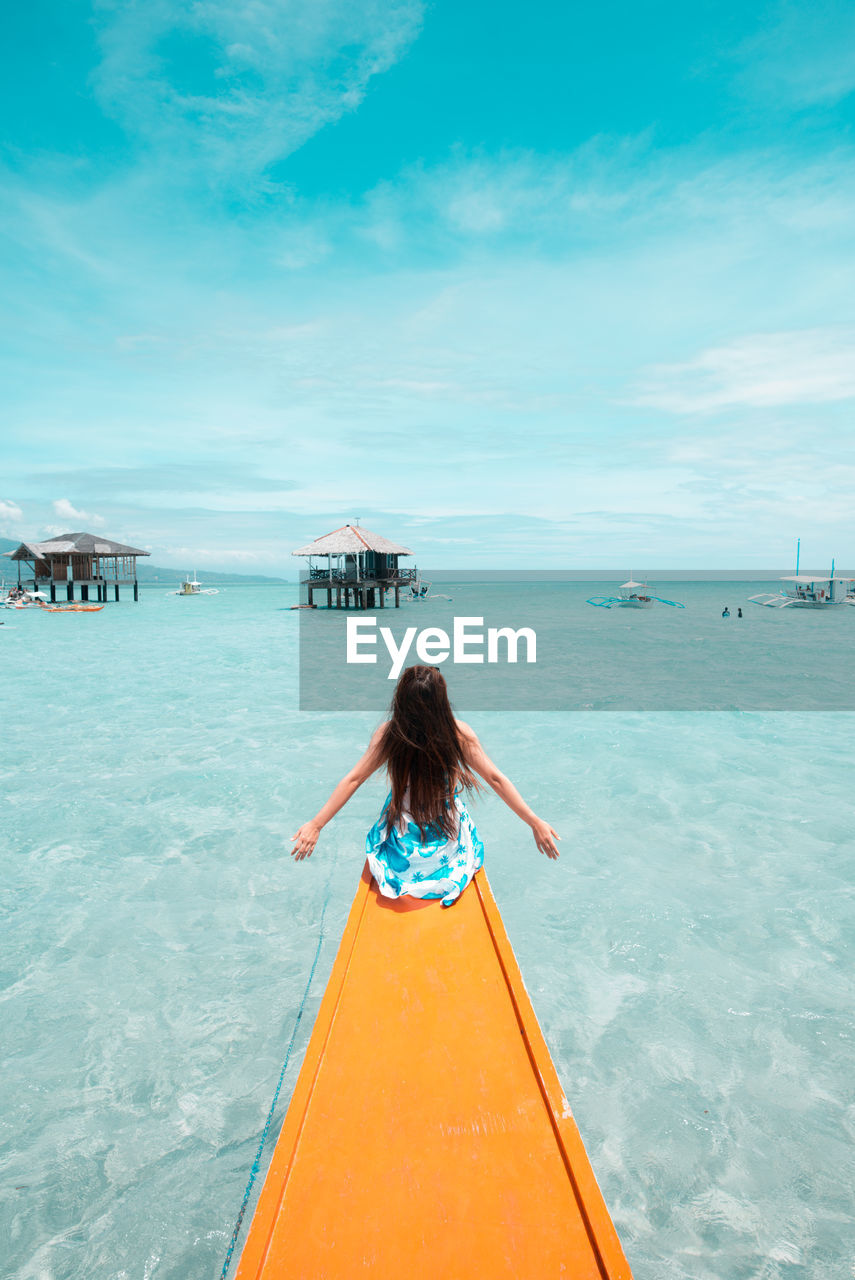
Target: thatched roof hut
[366, 566]
[75, 544]
[86, 559]
[351, 540]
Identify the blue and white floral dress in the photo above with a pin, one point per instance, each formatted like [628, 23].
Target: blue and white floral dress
[429, 865]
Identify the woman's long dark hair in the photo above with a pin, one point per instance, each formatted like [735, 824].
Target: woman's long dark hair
[423, 751]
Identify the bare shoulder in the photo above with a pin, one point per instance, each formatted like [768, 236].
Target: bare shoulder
[473, 753]
[379, 734]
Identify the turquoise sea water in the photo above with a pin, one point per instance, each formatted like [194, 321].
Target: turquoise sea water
[690, 956]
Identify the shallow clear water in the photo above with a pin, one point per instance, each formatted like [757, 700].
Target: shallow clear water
[690, 956]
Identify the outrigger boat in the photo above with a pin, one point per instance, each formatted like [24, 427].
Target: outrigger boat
[633, 595]
[428, 1134]
[192, 587]
[808, 590]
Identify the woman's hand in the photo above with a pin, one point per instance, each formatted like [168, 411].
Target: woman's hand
[305, 841]
[545, 837]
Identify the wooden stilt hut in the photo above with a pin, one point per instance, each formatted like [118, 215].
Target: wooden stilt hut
[83, 560]
[360, 568]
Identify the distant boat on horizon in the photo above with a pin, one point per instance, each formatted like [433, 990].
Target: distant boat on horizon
[633, 595]
[193, 587]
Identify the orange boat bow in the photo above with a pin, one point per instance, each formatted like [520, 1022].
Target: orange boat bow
[428, 1135]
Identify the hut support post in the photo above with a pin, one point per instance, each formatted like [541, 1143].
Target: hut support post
[84, 591]
[136, 590]
[69, 590]
[117, 593]
[397, 596]
[52, 592]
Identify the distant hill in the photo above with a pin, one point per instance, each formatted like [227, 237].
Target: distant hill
[153, 573]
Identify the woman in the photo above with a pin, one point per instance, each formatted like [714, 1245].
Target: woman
[424, 843]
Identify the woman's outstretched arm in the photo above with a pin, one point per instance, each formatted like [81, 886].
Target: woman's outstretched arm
[477, 759]
[307, 837]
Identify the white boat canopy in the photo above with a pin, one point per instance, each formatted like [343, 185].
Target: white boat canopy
[808, 579]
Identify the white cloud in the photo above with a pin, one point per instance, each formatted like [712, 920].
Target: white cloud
[606, 189]
[804, 54]
[10, 512]
[212, 553]
[63, 508]
[242, 85]
[810, 366]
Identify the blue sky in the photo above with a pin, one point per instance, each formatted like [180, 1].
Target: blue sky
[519, 285]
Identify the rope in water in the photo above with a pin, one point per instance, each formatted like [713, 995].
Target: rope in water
[256, 1164]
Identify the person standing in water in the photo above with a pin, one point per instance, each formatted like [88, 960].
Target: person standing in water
[725, 613]
[424, 843]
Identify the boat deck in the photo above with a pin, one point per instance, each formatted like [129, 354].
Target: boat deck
[428, 1135]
